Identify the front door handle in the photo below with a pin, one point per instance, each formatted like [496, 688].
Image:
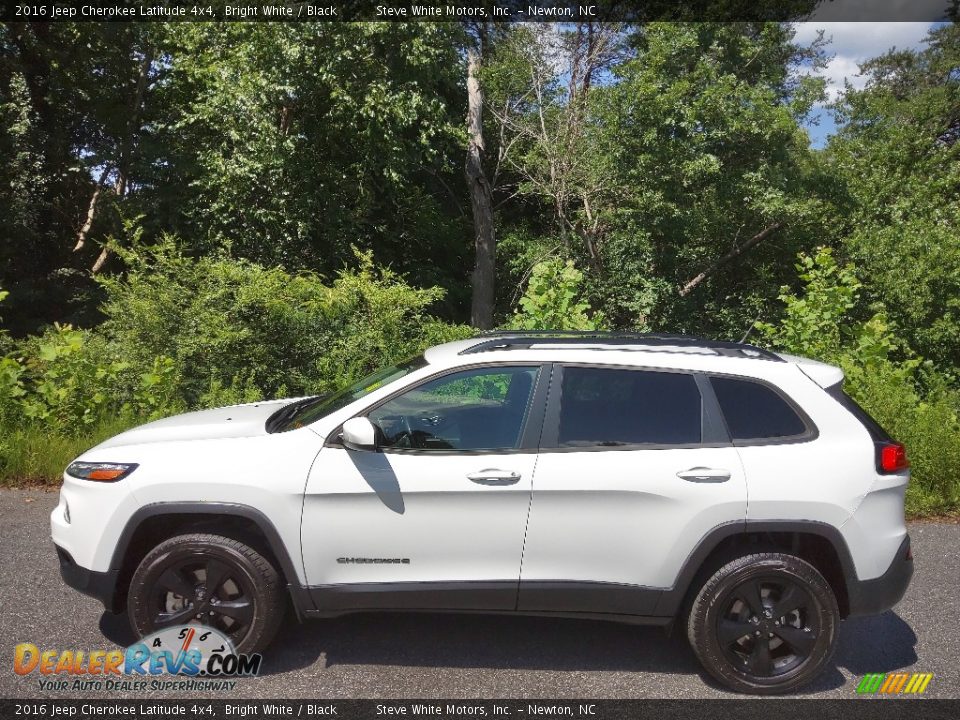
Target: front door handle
[493, 476]
[704, 475]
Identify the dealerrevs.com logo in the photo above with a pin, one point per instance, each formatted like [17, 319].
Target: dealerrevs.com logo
[198, 658]
[894, 683]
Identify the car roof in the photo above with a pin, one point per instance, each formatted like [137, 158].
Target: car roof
[634, 349]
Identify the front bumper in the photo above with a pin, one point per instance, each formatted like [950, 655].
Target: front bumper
[869, 597]
[99, 585]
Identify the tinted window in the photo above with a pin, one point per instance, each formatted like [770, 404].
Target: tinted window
[754, 411]
[608, 407]
[482, 409]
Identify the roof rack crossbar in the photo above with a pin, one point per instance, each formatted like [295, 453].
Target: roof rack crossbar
[524, 339]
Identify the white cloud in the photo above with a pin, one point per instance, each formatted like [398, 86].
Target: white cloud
[851, 43]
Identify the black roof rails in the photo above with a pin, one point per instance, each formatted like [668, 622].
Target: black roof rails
[524, 339]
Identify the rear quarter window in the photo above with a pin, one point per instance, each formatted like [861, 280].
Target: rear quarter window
[755, 411]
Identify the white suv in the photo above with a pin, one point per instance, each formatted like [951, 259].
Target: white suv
[640, 478]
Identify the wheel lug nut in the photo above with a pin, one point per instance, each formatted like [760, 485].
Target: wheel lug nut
[757, 633]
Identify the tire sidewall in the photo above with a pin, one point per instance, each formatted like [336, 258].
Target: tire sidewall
[179, 549]
[707, 611]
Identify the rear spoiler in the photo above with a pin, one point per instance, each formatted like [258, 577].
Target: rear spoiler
[822, 374]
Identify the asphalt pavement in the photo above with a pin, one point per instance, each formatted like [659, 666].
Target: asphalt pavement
[472, 656]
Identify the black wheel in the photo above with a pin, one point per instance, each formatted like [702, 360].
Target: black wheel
[210, 580]
[764, 623]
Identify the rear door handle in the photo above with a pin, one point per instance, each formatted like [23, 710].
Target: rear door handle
[493, 476]
[704, 475]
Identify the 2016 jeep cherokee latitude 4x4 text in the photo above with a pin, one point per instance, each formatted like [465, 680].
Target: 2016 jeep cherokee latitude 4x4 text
[643, 478]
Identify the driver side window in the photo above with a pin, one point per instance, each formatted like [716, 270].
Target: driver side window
[480, 409]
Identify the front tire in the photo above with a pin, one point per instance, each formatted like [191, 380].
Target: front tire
[211, 580]
[764, 624]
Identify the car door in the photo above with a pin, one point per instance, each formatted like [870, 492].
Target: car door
[435, 518]
[635, 468]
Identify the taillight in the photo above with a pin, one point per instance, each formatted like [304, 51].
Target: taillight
[892, 457]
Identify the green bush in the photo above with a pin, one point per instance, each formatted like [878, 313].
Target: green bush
[553, 300]
[182, 333]
[906, 395]
[238, 332]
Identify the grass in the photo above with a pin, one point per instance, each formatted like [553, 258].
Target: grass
[33, 455]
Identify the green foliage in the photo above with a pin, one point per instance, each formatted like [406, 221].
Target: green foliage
[811, 325]
[68, 387]
[184, 333]
[371, 318]
[641, 154]
[298, 140]
[905, 395]
[237, 332]
[701, 137]
[69, 380]
[553, 300]
[897, 155]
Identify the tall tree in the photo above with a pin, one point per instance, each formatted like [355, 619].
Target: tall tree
[293, 142]
[898, 153]
[481, 200]
[709, 168]
[542, 77]
[66, 92]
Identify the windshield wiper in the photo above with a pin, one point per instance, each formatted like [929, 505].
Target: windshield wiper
[282, 418]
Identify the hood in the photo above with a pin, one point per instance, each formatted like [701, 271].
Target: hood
[235, 421]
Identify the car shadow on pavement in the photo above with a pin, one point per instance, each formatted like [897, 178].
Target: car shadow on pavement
[879, 643]
[116, 629]
[476, 641]
[872, 644]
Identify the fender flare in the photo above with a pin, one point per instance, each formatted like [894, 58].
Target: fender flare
[301, 598]
[671, 600]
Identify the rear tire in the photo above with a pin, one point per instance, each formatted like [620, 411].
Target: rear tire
[212, 580]
[764, 624]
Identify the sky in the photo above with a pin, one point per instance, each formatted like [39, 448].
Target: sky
[850, 44]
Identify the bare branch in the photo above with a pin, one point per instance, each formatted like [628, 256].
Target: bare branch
[737, 251]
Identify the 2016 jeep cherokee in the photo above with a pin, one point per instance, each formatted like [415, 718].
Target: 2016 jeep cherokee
[642, 478]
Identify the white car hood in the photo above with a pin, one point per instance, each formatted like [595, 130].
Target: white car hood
[235, 421]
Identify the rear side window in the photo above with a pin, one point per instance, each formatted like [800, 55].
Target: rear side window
[609, 407]
[754, 411]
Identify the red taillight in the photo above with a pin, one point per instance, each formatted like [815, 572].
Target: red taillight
[893, 457]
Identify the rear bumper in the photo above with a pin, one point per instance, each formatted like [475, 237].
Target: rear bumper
[868, 597]
[99, 585]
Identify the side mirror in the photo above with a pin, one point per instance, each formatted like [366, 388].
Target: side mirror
[359, 434]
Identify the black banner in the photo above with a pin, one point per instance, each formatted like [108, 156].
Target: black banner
[852, 709]
[480, 10]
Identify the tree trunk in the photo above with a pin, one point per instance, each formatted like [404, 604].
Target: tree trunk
[739, 250]
[133, 127]
[91, 211]
[484, 272]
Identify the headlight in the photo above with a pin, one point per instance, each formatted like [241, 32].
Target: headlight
[104, 472]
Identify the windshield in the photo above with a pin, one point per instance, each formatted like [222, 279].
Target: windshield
[303, 412]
